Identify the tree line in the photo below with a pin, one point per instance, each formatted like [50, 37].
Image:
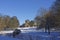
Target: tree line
[49, 17]
[46, 17]
[7, 22]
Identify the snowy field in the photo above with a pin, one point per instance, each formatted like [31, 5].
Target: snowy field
[32, 34]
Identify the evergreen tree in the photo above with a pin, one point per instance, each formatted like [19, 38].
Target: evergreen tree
[6, 21]
[31, 23]
[1, 23]
[14, 22]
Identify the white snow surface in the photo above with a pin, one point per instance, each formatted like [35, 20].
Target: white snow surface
[32, 34]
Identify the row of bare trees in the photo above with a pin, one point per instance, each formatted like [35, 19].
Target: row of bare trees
[49, 18]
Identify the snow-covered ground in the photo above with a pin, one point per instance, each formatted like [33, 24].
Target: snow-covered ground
[32, 34]
[29, 29]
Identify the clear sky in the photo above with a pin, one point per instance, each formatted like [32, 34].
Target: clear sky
[23, 9]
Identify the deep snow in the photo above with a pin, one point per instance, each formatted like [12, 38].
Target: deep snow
[32, 35]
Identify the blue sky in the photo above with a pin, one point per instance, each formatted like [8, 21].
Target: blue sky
[23, 9]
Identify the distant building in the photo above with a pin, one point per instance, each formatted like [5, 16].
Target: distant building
[35, 24]
[27, 23]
